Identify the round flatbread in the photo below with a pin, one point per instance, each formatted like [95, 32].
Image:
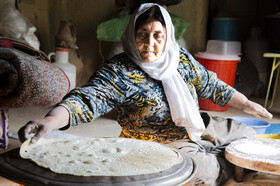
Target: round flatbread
[257, 149]
[101, 156]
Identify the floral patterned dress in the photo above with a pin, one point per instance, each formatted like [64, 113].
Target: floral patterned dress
[138, 100]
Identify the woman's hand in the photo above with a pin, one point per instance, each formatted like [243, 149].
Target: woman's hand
[256, 109]
[55, 119]
[39, 128]
[240, 101]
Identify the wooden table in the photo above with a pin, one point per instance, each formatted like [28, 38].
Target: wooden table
[254, 161]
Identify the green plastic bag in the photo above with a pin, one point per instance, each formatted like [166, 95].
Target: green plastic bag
[112, 30]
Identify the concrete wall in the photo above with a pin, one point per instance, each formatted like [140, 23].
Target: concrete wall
[86, 15]
[196, 13]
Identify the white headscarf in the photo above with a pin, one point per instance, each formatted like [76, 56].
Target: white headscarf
[184, 111]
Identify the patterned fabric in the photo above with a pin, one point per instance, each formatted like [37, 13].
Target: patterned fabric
[4, 117]
[138, 100]
[29, 81]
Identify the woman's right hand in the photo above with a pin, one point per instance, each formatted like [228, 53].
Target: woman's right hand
[55, 119]
[39, 128]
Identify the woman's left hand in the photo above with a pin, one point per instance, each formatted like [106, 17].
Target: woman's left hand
[256, 109]
[241, 102]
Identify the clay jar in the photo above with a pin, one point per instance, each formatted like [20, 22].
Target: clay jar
[66, 38]
[66, 35]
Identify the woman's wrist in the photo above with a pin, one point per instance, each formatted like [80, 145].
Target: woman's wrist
[239, 101]
[58, 117]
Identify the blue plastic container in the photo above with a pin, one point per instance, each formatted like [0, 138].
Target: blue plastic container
[274, 128]
[257, 124]
[224, 29]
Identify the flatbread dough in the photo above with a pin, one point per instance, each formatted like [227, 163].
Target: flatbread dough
[101, 156]
[258, 149]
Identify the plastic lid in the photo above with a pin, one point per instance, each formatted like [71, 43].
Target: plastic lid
[206, 55]
[222, 47]
[224, 18]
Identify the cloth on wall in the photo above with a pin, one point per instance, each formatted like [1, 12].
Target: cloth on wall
[27, 78]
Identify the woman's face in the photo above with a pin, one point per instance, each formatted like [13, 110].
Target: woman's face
[150, 40]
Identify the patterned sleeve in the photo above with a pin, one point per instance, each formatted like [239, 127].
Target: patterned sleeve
[206, 83]
[106, 89]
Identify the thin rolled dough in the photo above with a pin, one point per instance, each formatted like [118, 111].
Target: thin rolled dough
[101, 156]
[258, 149]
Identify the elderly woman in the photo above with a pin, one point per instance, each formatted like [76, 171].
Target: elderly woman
[154, 87]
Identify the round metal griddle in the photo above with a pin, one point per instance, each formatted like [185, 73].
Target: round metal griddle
[26, 172]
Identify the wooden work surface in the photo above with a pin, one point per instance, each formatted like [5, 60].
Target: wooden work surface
[263, 161]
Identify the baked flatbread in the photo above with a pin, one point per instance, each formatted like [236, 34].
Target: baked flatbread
[101, 156]
[257, 149]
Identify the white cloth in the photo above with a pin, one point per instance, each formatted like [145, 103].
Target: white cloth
[184, 111]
